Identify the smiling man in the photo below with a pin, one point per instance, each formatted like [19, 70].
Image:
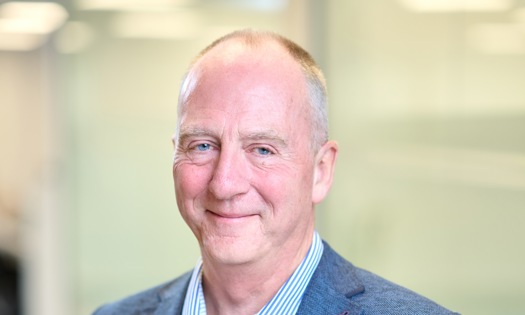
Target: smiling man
[252, 160]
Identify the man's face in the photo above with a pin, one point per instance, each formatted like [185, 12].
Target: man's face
[243, 169]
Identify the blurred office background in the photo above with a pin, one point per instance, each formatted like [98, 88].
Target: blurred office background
[427, 101]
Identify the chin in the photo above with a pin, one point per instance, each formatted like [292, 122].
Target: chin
[231, 250]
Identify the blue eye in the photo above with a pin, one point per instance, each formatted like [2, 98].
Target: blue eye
[263, 151]
[203, 147]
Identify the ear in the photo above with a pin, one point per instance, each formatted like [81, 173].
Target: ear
[174, 141]
[324, 171]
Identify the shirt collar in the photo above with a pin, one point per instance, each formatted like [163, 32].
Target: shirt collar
[287, 299]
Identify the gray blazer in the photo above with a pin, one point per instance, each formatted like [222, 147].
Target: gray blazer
[337, 287]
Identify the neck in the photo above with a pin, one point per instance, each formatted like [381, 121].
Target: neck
[246, 288]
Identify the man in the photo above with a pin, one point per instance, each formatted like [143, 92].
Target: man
[252, 160]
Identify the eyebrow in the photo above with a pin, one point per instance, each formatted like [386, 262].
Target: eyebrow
[268, 135]
[186, 133]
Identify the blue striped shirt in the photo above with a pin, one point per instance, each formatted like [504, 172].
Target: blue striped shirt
[285, 302]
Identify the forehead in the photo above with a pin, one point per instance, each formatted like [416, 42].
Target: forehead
[234, 69]
[241, 92]
[266, 54]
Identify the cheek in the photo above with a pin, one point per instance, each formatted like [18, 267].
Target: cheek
[287, 189]
[190, 181]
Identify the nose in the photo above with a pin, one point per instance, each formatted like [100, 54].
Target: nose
[230, 176]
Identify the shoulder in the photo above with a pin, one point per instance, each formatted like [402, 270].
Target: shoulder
[386, 297]
[358, 291]
[171, 294]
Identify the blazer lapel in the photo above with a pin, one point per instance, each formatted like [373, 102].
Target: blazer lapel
[169, 306]
[171, 297]
[331, 287]
[329, 292]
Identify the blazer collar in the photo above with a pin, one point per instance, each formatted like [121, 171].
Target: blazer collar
[171, 297]
[334, 281]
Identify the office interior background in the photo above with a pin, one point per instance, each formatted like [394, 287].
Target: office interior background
[427, 102]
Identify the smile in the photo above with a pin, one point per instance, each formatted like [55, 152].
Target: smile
[229, 216]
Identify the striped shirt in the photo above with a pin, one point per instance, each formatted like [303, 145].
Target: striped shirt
[285, 302]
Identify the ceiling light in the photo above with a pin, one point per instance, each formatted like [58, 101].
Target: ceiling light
[25, 25]
[31, 17]
[131, 5]
[456, 5]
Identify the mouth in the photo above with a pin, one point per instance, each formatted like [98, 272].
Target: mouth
[229, 216]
